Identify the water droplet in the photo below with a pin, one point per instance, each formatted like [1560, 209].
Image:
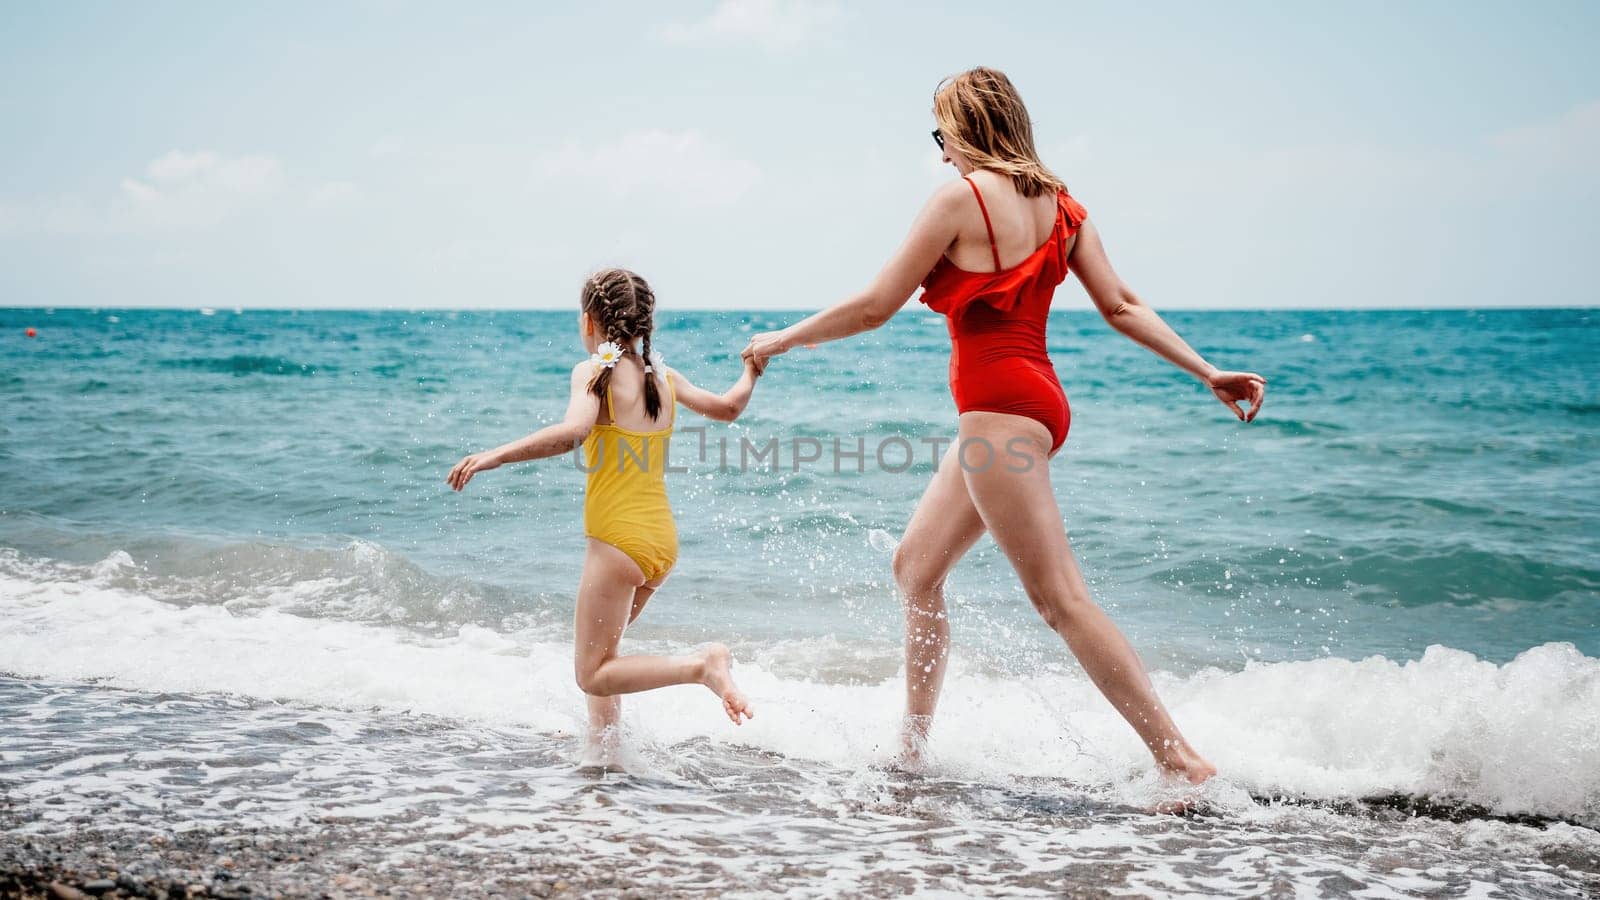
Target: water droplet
[882, 541]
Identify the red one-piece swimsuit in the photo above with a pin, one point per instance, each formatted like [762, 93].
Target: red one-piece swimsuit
[998, 361]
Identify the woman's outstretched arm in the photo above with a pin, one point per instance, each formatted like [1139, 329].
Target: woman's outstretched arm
[1123, 309]
[931, 234]
[583, 408]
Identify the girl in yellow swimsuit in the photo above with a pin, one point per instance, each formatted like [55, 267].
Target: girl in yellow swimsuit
[616, 413]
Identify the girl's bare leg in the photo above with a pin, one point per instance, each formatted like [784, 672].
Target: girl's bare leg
[606, 712]
[1020, 510]
[606, 603]
[943, 528]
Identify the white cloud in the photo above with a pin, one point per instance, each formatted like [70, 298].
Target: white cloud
[1573, 138]
[178, 190]
[183, 190]
[773, 24]
[684, 166]
[388, 145]
[331, 194]
[243, 174]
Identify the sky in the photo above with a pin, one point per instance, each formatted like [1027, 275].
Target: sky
[766, 154]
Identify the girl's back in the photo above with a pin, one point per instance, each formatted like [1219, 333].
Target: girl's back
[628, 405]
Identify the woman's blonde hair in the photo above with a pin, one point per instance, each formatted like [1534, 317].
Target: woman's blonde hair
[981, 115]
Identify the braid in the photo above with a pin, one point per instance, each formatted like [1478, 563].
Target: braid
[622, 305]
[599, 305]
[644, 309]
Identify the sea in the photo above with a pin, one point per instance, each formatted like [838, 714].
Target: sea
[236, 593]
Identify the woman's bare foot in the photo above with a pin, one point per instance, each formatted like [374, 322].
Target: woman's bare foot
[914, 744]
[717, 674]
[1185, 764]
[1182, 768]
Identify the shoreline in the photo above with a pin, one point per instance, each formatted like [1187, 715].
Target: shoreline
[111, 793]
[339, 857]
[253, 861]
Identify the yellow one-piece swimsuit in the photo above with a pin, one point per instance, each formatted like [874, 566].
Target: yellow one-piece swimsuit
[625, 503]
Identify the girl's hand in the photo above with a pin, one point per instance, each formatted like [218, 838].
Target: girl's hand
[470, 466]
[753, 367]
[1232, 387]
[763, 347]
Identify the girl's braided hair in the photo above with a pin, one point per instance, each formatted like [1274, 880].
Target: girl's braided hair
[623, 307]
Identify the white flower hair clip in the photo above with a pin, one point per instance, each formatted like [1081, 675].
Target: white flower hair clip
[606, 355]
[655, 362]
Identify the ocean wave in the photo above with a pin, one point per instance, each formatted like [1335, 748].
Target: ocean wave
[1513, 739]
[1298, 427]
[358, 582]
[1395, 572]
[247, 364]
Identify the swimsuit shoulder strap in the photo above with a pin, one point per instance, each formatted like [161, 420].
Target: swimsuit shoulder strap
[988, 226]
[672, 398]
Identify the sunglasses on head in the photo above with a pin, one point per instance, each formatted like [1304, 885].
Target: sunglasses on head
[938, 138]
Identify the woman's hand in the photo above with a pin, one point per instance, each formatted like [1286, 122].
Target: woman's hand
[1232, 387]
[470, 466]
[763, 347]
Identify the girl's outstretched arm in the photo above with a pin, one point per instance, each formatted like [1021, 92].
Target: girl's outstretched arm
[1123, 309]
[723, 407]
[932, 233]
[582, 410]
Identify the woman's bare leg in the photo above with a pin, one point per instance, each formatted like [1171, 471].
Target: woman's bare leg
[1020, 510]
[606, 597]
[943, 528]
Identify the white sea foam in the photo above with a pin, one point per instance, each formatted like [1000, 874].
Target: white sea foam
[1516, 738]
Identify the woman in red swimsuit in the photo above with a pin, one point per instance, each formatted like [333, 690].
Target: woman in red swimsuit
[989, 250]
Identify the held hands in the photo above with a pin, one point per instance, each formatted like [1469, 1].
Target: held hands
[1232, 387]
[763, 347]
[470, 466]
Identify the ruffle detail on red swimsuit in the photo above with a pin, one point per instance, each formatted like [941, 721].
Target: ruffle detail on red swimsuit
[950, 290]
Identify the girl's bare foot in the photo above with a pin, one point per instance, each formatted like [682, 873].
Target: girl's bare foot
[717, 674]
[602, 749]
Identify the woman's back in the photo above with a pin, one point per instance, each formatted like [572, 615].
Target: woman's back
[1021, 225]
[997, 309]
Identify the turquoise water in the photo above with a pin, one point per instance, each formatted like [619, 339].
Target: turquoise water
[1384, 590]
[1415, 478]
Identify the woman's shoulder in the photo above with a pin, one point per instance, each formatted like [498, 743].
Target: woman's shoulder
[952, 197]
[1074, 211]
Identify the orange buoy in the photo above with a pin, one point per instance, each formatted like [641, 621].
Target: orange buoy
[32, 333]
